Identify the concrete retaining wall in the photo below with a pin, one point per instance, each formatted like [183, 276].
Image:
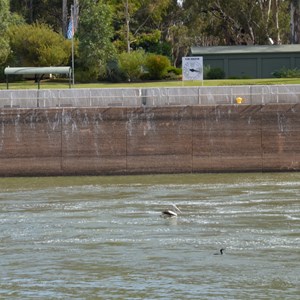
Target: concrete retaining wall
[152, 97]
[149, 139]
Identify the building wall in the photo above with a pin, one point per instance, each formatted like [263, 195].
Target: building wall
[146, 140]
[252, 66]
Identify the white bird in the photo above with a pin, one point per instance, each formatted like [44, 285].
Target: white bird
[170, 213]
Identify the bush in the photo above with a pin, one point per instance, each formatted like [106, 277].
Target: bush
[131, 64]
[173, 73]
[4, 50]
[174, 70]
[206, 69]
[114, 73]
[2, 76]
[85, 76]
[214, 73]
[38, 45]
[287, 73]
[157, 66]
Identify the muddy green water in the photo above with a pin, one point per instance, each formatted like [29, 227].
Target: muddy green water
[103, 237]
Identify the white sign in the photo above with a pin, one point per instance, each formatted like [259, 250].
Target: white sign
[192, 68]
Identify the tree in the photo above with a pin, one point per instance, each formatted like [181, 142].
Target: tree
[137, 22]
[180, 41]
[64, 17]
[38, 45]
[95, 32]
[4, 22]
[274, 21]
[51, 12]
[236, 22]
[295, 21]
[167, 27]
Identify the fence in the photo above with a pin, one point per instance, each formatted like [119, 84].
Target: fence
[256, 94]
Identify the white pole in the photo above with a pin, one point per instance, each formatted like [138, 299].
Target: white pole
[73, 68]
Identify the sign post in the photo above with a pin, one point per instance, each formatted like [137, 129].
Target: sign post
[192, 68]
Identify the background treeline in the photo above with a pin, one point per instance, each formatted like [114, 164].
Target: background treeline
[129, 40]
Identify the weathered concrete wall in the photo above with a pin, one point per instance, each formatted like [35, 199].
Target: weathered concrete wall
[150, 97]
[131, 140]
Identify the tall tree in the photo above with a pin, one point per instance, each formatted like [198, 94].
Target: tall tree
[64, 17]
[52, 12]
[138, 23]
[95, 32]
[235, 22]
[295, 21]
[176, 33]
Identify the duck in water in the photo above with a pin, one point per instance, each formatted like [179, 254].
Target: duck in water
[171, 213]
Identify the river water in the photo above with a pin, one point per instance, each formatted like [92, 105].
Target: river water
[103, 237]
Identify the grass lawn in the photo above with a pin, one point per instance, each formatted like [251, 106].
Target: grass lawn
[64, 84]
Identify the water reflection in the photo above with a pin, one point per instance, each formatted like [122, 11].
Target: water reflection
[103, 237]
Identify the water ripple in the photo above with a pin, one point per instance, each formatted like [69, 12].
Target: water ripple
[103, 238]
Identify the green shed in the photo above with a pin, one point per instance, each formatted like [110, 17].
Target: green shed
[255, 61]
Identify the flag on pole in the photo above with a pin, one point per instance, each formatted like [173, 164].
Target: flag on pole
[70, 31]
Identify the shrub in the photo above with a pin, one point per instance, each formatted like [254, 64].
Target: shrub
[214, 73]
[157, 66]
[176, 71]
[173, 73]
[2, 76]
[131, 64]
[84, 75]
[287, 73]
[4, 50]
[38, 45]
[114, 73]
[206, 69]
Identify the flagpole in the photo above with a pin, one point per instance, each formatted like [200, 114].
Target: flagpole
[73, 68]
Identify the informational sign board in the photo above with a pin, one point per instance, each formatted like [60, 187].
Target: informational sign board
[192, 68]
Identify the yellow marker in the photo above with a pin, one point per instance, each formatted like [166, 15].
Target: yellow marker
[239, 100]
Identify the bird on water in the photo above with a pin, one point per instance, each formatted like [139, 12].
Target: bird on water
[221, 252]
[171, 213]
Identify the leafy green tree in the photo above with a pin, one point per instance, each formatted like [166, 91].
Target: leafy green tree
[38, 45]
[139, 23]
[4, 22]
[180, 41]
[94, 34]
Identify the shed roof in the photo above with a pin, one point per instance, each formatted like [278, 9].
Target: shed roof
[36, 70]
[244, 49]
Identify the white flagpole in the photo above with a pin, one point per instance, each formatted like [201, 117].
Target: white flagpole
[73, 68]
